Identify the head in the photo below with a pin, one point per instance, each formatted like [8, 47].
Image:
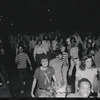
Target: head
[45, 37]
[58, 54]
[55, 37]
[87, 63]
[84, 87]
[32, 37]
[92, 51]
[44, 60]
[89, 45]
[39, 42]
[62, 48]
[20, 49]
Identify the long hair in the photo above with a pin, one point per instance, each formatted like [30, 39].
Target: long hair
[83, 66]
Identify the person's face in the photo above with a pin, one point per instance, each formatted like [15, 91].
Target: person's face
[46, 37]
[88, 63]
[44, 62]
[60, 56]
[92, 52]
[20, 49]
[62, 49]
[39, 43]
[84, 89]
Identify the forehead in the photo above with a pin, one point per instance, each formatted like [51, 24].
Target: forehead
[88, 60]
[45, 59]
[20, 48]
[85, 84]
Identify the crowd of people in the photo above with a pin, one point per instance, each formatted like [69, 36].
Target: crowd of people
[52, 57]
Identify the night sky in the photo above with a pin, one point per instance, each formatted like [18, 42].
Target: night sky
[52, 14]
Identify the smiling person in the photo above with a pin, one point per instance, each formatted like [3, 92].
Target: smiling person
[43, 77]
[84, 89]
[86, 70]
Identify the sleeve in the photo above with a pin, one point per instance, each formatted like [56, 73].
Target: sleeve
[36, 74]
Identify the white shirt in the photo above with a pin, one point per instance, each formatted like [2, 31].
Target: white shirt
[74, 52]
[88, 73]
[54, 44]
[39, 50]
[46, 45]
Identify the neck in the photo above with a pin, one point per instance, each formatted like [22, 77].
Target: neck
[43, 68]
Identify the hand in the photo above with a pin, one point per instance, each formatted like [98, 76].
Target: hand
[32, 95]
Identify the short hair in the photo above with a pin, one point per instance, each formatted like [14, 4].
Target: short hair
[57, 52]
[72, 40]
[82, 66]
[39, 40]
[44, 56]
[84, 80]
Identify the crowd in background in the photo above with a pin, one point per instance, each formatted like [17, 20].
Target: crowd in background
[64, 51]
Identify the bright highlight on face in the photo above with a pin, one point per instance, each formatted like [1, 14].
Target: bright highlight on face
[84, 89]
[44, 62]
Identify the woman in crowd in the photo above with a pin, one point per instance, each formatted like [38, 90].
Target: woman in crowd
[84, 89]
[86, 70]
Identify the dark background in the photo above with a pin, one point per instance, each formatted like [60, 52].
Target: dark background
[63, 15]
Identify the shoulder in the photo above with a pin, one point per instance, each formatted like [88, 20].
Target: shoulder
[50, 68]
[37, 69]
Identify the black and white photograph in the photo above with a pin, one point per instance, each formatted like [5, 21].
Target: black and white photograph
[50, 48]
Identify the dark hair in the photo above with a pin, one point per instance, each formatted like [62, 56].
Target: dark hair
[57, 52]
[84, 80]
[90, 49]
[32, 36]
[82, 66]
[88, 43]
[39, 40]
[45, 38]
[72, 40]
[44, 56]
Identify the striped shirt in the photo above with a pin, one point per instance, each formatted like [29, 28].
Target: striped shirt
[21, 60]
